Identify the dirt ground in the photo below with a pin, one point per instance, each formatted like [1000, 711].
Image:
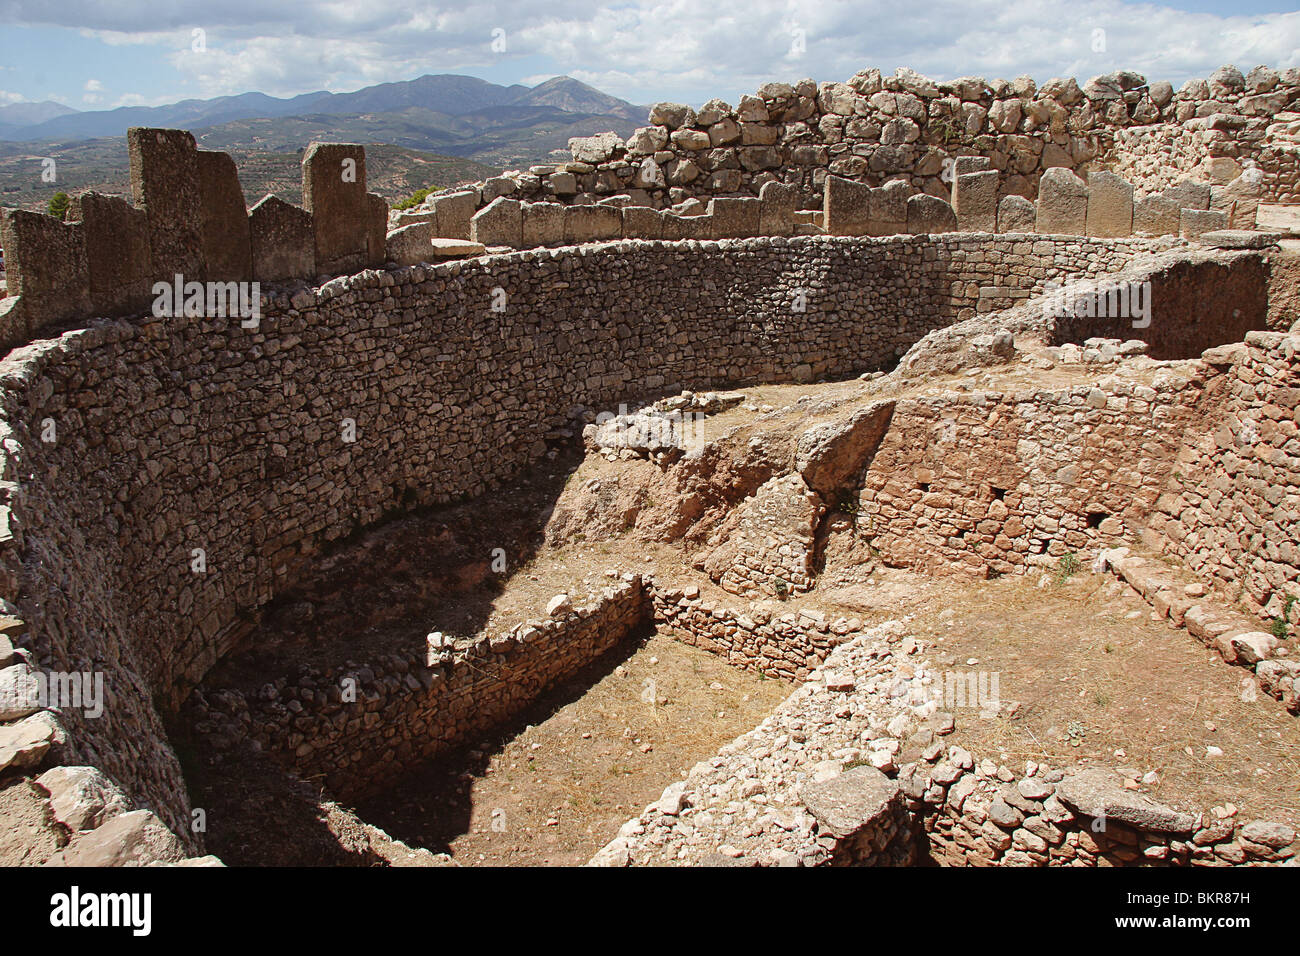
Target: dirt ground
[1096, 681]
[29, 836]
[559, 790]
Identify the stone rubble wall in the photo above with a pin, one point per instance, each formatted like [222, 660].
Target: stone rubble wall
[131, 444]
[988, 483]
[1229, 508]
[1238, 136]
[412, 705]
[860, 766]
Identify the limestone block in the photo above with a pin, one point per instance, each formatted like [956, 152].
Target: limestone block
[735, 218]
[165, 184]
[1189, 195]
[283, 241]
[779, 201]
[592, 223]
[410, 244]
[119, 266]
[223, 220]
[687, 227]
[642, 222]
[334, 192]
[846, 207]
[499, 223]
[444, 248]
[929, 214]
[1062, 203]
[1193, 222]
[455, 210]
[543, 224]
[970, 164]
[1016, 214]
[975, 201]
[376, 230]
[1156, 215]
[887, 208]
[45, 264]
[1110, 205]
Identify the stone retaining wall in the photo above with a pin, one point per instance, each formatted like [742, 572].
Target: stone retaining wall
[353, 726]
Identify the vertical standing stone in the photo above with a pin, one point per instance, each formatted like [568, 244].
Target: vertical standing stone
[592, 223]
[927, 215]
[283, 241]
[887, 208]
[376, 230]
[118, 262]
[1110, 205]
[975, 201]
[1016, 214]
[227, 254]
[1062, 203]
[334, 192]
[735, 218]
[543, 224]
[45, 266]
[499, 223]
[846, 207]
[639, 222]
[165, 184]
[1156, 216]
[970, 164]
[779, 203]
[455, 210]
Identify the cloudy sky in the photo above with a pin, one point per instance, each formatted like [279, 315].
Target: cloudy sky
[94, 55]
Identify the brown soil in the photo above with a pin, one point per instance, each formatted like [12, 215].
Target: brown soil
[1099, 682]
[559, 790]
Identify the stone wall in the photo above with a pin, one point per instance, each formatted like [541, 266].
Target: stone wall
[1229, 509]
[908, 128]
[355, 726]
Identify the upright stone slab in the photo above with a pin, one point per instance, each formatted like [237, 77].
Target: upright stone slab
[455, 210]
[642, 222]
[687, 227]
[962, 165]
[735, 218]
[779, 201]
[1062, 204]
[45, 266]
[975, 201]
[223, 220]
[118, 264]
[165, 184]
[410, 244]
[1016, 214]
[543, 224]
[1156, 216]
[376, 230]
[592, 223]
[846, 207]
[283, 241]
[1110, 206]
[334, 192]
[927, 215]
[1196, 221]
[499, 223]
[1189, 195]
[887, 208]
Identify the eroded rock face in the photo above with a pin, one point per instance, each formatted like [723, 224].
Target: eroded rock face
[829, 454]
[771, 545]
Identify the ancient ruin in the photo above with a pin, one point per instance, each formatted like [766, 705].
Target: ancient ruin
[856, 474]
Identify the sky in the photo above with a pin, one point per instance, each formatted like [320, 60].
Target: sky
[93, 55]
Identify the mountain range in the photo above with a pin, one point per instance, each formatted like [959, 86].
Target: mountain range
[444, 129]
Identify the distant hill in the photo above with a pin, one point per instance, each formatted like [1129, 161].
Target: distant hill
[431, 131]
[447, 94]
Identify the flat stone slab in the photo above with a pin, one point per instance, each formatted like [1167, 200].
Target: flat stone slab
[851, 801]
[452, 248]
[1239, 239]
[1100, 793]
[25, 743]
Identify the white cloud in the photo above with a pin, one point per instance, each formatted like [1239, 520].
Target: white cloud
[650, 49]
